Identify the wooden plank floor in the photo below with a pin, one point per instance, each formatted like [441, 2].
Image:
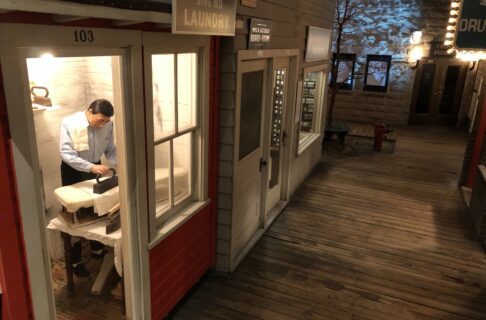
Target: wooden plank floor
[370, 236]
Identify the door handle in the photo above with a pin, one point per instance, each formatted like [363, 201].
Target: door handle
[263, 163]
[284, 138]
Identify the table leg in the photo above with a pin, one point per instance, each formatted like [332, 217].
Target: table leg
[68, 262]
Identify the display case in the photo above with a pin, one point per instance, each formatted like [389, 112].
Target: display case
[308, 101]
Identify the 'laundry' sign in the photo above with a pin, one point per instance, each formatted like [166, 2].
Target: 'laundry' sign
[208, 17]
[471, 25]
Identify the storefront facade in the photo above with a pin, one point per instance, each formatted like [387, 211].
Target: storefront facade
[175, 97]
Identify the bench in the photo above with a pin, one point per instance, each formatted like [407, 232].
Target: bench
[367, 131]
[340, 131]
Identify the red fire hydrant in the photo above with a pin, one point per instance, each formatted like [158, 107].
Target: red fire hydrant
[380, 131]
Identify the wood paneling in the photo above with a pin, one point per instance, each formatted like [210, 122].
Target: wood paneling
[372, 236]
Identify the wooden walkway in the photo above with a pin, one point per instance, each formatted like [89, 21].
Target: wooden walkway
[376, 236]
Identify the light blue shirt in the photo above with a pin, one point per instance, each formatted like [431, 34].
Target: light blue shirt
[100, 142]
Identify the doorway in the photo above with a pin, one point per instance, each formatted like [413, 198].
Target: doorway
[437, 92]
[250, 125]
[50, 74]
[276, 135]
[265, 86]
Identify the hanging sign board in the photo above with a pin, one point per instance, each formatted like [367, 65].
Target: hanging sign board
[318, 44]
[471, 25]
[259, 35]
[439, 50]
[204, 17]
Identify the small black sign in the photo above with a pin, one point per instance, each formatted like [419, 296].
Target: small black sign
[439, 50]
[259, 35]
[205, 17]
[471, 25]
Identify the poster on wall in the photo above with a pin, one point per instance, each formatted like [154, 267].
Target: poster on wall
[318, 44]
[471, 26]
[345, 76]
[215, 17]
[377, 72]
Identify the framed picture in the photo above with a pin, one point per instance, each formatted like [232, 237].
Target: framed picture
[377, 72]
[345, 77]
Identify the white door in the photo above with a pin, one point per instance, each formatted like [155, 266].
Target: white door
[250, 123]
[59, 58]
[275, 136]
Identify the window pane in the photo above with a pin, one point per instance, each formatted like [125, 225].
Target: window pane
[182, 167]
[251, 107]
[276, 135]
[450, 90]
[162, 177]
[186, 90]
[309, 101]
[163, 95]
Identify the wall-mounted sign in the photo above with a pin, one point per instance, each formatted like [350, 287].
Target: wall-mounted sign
[249, 3]
[206, 17]
[259, 35]
[318, 42]
[439, 50]
[471, 25]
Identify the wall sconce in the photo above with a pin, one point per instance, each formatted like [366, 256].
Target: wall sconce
[414, 56]
[416, 37]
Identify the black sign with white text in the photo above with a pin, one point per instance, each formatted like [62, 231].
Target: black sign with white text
[471, 25]
[205, 17]
[259, 35]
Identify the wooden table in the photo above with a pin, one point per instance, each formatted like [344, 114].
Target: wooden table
[95, 231]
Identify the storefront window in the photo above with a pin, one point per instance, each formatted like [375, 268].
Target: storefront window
[174, 84]
[313, 105]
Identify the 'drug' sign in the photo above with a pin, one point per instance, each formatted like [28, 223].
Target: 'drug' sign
[471, 25]
[206, 17]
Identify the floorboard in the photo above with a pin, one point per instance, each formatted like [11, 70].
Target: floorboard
[367, 236]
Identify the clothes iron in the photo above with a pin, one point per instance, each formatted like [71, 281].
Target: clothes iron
[105, 185]
[42, 100]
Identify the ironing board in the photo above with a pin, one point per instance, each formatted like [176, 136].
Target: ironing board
[94, 231]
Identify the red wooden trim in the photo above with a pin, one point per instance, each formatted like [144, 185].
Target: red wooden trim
[16, 297]
[477, 148]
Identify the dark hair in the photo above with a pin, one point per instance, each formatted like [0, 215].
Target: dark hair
[102, 106]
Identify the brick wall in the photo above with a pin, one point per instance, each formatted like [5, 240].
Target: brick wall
[384, 27]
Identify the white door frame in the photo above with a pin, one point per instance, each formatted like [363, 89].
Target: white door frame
[284, 143]
[14, 38]
[294, 60]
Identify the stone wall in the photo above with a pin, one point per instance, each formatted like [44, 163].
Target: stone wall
[384, 27]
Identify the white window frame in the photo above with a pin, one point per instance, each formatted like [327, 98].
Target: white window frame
[320, 107]
[160, 227]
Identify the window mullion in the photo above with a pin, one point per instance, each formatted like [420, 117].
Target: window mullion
[176, 94]
[171, 174]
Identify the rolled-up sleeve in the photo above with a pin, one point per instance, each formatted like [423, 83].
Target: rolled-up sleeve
[68, 154]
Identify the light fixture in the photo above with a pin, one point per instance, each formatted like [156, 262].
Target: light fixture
[415, 54]
[416, 37]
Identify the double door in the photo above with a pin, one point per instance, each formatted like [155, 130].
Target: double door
[261, 143]
[437, 92]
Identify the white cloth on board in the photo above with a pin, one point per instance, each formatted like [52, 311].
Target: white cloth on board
[94, 231]
[80, 195]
